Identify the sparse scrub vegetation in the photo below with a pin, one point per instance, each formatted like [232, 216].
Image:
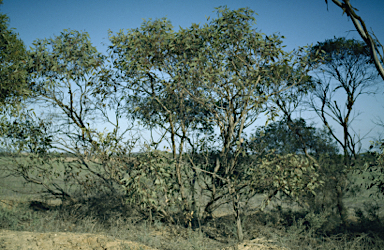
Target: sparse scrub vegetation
[176, 168]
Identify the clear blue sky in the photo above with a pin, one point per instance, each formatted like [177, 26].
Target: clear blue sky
[302, 22]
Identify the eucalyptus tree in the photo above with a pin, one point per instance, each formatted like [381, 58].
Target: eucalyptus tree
[279, 137]
[13, 73]
[346, 69]
[218, 75]
[151, 63]
[63, 71]
[285, 137]
[376, 168]
[239, 70]
[14, 85]
[62, 68]
[377, 56]
[372, 43]
[15, 118]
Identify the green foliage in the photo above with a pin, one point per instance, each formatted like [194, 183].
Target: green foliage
[13, 73]
[151, 184]
[220, 75]
[200, 88]
[279, 142]
[14, 78]
[376, 167]
[64, 69]
[279, 137]
[292, 174]
[346, 69]
[27, 134]
[62, 66]
[348, 62]
[151, 72]
[341, 49]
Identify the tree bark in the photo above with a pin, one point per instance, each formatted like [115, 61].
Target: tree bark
[362, 29]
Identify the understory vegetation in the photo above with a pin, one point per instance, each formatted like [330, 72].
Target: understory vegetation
[157, 141]
[279, 227]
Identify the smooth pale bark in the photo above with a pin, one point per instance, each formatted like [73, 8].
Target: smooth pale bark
[362, 29]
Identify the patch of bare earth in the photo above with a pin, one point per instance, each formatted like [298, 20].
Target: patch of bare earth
[259, 244]
[52, 241]
[24, 240]
[256, 244]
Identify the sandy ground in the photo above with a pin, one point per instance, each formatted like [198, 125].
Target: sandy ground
[52, 241]
[24, 240]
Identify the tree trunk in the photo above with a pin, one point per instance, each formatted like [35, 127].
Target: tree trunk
[239, 226]
[340, 204]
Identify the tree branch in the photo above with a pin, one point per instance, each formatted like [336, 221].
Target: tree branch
[362, 29]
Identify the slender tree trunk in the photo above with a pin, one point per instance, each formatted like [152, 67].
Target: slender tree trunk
[178, 163]
[340, 203]
[239, 226]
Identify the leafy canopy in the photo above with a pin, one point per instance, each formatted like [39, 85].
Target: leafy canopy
[13, 72]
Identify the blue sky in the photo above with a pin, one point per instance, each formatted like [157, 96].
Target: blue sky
[302, 22]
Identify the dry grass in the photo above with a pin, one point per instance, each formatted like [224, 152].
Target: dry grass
[274, 229]
[109, 218]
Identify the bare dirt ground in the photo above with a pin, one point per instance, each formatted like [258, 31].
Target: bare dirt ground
[24, 240]
[53, 241]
